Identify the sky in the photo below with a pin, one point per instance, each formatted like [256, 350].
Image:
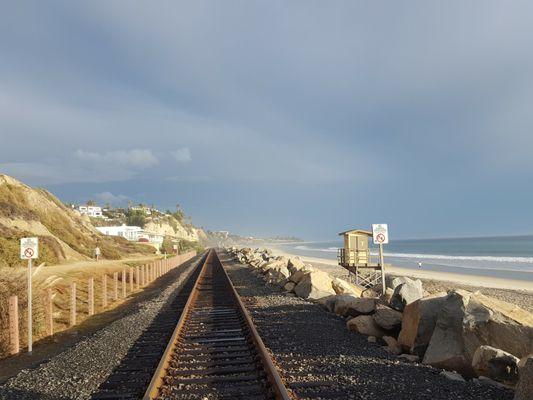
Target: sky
[300, 118]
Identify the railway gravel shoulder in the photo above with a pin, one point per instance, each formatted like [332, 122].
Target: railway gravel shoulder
[320, 359]
[78, 372]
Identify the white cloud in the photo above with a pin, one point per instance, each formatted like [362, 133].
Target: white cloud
[182, 155]
[108, 197]
[138, 158]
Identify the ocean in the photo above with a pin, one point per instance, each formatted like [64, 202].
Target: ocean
[503, 257]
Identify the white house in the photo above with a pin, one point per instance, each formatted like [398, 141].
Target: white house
[132, 233]
[154, 238]
[91, 211]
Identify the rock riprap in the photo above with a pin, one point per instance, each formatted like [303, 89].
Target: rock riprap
[418, 322]
[469, 320]
[495, 364]
[460, 331]
[314, 285]
[524, 388]
[406, 292]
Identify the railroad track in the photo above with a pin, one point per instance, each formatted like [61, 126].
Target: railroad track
[215, 351]
[129, 379]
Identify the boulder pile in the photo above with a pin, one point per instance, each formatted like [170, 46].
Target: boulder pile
[477, 336]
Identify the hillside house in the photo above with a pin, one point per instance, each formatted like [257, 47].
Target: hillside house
[91, 211]
[133, 234]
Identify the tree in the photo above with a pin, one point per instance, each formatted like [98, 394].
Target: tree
[91, 203]
[179, 214]
[135, 218]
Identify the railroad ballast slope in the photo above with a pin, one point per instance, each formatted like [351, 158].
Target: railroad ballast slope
[319, 355]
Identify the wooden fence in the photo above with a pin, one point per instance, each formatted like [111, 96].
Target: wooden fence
[138, 277]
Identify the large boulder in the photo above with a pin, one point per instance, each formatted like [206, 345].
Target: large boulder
[388, 318]
[298, 275]
[387, 296]
[289, 286]
[295, 264]
[366, 325]
[418, 322]
[277, 275]
[496, 364]
[406, 293]
[524, 388]
[469, 320]
[328, 302]
[257, 263]
[349, 305]
[392, 345]
[399, 281]
[343, 287]
[314, 285]
[273, 264]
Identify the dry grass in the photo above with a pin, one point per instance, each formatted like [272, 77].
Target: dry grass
[13, 282]
[22, 202]
[16, 283]
[50, 251]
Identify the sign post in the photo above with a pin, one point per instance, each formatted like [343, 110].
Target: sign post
[380, 233]
[29, 249]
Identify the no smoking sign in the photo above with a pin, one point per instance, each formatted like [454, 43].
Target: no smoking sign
[380, 232]
[29, 248]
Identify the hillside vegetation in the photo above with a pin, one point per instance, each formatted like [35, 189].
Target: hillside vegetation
[63, 234]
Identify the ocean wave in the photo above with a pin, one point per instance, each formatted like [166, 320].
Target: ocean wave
[523, 260]
[328, 250]
[497, 259]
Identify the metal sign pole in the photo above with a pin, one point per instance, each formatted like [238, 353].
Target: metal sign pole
[381, 262]
[30, 325]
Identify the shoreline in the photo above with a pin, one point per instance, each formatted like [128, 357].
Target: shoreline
[332, 267]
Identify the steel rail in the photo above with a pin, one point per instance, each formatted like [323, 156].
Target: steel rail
[159, 380]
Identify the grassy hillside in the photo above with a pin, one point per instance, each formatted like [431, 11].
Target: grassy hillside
[63, 234]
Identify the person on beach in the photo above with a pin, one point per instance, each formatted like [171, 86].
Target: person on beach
[419, 265]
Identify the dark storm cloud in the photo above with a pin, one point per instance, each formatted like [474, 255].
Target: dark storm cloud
[382, 98]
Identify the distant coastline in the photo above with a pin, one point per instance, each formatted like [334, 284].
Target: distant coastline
[490, 257]
[332, 267]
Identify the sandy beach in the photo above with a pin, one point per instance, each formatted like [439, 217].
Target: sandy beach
[510, 290]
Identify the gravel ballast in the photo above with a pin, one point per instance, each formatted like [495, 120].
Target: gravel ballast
[320, 359]
[78, 372]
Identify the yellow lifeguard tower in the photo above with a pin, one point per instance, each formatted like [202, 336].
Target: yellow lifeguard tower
[355, 257]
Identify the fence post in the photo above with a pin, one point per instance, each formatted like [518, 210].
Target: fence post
[90, 296]
[115, 286]
[14, 341]
[145, 275]
[49, 312]
[73, 304]
[137, 277]
[124, 283]
[104, 291]
[131, 280]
